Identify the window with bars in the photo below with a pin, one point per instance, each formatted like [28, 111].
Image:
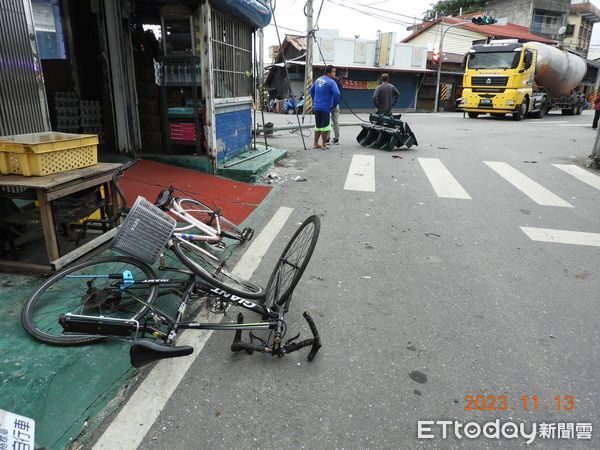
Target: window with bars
[232, 57]
[546, 22]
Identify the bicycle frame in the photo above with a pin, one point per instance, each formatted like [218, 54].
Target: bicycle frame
[208, 234]
[176, 323]
[144, 351]
[212, 235]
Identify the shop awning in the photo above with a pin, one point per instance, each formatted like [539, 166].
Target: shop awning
[255, 13]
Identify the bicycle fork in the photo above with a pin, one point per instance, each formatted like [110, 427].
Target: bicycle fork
[277, 347]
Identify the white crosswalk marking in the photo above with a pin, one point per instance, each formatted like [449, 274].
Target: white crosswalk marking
[361, 175]
[562, 236]
[547, 122]
[442, 181]
[581, 174]
[530, 188]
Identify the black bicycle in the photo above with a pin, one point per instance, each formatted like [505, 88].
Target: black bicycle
[114, 296]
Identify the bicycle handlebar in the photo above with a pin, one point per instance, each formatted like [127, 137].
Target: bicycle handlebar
[315, 342]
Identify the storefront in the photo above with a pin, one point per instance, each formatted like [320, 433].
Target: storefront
[103, 67]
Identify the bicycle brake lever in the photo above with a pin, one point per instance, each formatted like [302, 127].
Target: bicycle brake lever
[290, 340]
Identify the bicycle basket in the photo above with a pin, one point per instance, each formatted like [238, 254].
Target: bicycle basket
[144, 232]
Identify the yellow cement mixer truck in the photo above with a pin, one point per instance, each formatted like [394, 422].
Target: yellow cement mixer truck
[521, 79]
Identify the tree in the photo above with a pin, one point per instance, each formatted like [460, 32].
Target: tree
[452, 8]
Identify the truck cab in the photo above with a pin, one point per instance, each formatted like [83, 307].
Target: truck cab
[499, 79]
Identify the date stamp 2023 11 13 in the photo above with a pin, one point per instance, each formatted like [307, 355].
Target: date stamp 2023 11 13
[533, 403]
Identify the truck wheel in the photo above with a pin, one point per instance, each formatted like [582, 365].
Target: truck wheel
[519, 113]
[473, 115]
[542, 111]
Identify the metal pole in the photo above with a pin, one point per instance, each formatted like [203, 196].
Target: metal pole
[261, 79]
[308, 68]
[593, 161]
[439, 71]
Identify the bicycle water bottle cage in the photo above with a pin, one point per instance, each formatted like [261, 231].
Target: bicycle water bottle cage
[163, 199]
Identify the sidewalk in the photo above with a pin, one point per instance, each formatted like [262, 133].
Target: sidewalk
[68, 390]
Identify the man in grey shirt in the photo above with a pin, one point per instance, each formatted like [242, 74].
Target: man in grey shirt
[385, 96]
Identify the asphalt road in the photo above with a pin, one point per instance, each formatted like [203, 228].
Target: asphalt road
[420, 300]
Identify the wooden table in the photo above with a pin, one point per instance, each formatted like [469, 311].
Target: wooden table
[52, 187]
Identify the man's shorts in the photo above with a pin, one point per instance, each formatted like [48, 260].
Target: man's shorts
[322, 121]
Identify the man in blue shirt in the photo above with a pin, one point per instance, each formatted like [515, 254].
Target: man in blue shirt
[326, 96]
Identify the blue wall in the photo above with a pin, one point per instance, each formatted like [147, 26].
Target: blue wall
[234, 133]
[406, 83]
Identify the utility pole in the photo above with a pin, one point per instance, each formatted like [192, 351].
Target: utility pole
[439, 70]
[261, 69]
[593, 161]
[308, 68]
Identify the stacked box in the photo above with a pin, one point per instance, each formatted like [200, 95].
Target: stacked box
[182, 131]
[90, 117]
[65, 111]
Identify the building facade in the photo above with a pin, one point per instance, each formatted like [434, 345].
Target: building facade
[541, 17]
[582, 17]
[140, 74]
[359, 64]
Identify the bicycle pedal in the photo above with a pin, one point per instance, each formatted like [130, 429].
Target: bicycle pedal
[247, 234]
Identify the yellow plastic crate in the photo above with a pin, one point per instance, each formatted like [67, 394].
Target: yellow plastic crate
[39, 154]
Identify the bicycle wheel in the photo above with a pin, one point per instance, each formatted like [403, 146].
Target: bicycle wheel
[213, 272]
[72, 290]
[207, 215]
[292, 262]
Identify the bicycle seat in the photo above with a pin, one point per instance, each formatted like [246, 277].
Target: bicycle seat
[144, 352]
[163, 199]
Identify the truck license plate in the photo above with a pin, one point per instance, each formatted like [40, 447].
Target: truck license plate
[485, 102]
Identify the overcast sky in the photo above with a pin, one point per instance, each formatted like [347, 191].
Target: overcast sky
[384, 15]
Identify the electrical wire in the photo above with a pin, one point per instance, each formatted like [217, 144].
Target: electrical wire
[383, 10]
[373, 15]
[319, 14]
[300, 32]
[341, 98]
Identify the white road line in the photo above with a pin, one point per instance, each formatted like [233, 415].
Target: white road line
[530, 188]
[575, 125]
[581, 174]
[361, 175]
[442, 181]
[562, 236]
[133, 422]
[253, 256]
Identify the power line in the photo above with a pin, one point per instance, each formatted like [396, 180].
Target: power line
[373, 15]
[300, 32]
[383, 10]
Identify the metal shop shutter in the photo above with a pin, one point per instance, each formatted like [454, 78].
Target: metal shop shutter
[23, 106]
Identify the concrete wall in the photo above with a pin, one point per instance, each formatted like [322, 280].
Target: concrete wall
[341, 51]
[520, 12]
